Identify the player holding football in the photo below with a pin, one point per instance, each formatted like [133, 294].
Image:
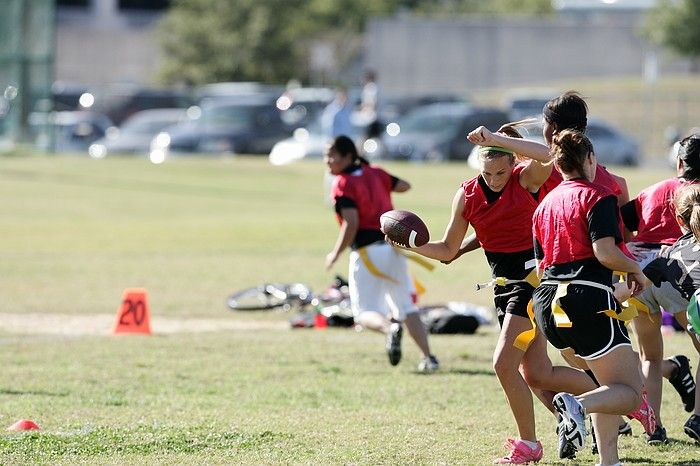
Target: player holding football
[499, 204]
[381, 289]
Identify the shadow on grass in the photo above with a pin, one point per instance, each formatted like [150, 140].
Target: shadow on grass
[472, 372]
[670, 463]
[7, 391]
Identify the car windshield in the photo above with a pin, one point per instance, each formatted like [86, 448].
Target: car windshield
[430, 122]
[236, 116]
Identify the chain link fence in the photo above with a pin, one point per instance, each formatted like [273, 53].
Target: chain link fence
[27, 35]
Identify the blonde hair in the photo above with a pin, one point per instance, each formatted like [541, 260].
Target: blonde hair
[687, 203]
[511, 129]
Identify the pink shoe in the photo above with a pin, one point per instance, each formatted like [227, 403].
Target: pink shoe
[520, 453]
[645, 414]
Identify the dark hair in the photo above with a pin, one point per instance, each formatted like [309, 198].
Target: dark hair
[568, 111]
[687, 203]
[689, 153]
[570, 149]
[344, 145]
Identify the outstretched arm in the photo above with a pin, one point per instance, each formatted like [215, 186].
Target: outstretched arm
[538, 170]
[470, 243]
[525, 147]
[348, 231]
[401, 186]
[449, 245]
[608, 254]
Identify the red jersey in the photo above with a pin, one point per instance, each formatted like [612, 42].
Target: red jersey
[602, 177]
[369, 187]
[656, 214]
[560, 223]
[504, 225]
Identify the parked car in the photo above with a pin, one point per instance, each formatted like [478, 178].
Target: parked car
[135, 134]
[120, 102]
[249, 125]
[395, 107]
[68, 131]
[521, 104]
[216, 92]
[437, 132]
[310, 142]
[301, 106]
[612, 147]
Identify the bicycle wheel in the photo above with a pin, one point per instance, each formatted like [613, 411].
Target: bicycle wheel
[259, 298]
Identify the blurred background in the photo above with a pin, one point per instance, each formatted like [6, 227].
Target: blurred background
[159, 78]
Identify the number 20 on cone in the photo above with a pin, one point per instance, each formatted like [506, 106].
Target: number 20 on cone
[133, 315]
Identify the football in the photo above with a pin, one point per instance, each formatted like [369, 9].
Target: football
[404, 228]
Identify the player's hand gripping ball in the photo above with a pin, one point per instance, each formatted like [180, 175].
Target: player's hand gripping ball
[404, 228]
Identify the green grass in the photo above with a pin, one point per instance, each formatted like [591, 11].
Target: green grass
[76, 232]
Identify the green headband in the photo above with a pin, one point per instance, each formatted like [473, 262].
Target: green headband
[484, 149]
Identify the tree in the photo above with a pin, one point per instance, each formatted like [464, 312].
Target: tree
[270, 40]
[252, 40]
[674, 24]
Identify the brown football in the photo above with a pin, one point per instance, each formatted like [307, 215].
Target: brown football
[404, 228]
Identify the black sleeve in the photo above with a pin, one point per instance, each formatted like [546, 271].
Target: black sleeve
[604, 220]
[539, 252]
[342, 202]
[629, 215]
[657, 270]
[394, 182]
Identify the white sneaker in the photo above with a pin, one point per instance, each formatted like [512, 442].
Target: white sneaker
[573, 423]
[429, 364]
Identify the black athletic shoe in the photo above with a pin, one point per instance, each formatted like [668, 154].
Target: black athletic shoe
[567, 450]
[659, 436]
[682, 381]
[692, 427]
[393, 343]
[624, 429]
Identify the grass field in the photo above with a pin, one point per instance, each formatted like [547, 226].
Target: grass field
[76, 232]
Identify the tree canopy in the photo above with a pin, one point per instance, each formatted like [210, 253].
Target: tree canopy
[674, 24]
[271, 40]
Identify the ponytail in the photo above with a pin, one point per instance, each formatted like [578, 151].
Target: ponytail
[570, 148]
[687, 204]
[344, 145]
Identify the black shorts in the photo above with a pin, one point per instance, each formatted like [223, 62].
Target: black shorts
[592, 334]
[512, 299]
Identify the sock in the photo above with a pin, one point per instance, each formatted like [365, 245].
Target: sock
[590, 374]
[531, 445]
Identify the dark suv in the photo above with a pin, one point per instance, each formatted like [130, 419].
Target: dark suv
[438, 132]
[249, 125]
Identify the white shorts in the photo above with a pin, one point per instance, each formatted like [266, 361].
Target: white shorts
[665, 296]
[368, 292]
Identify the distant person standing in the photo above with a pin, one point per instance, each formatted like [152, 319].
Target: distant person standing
[335, 119]
[369, 104]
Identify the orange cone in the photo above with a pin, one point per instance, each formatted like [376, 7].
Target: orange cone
[320, 321]
[24, 424]
[133, 315]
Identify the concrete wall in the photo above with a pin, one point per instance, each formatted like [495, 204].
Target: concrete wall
[101, 45]
[421, 55]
